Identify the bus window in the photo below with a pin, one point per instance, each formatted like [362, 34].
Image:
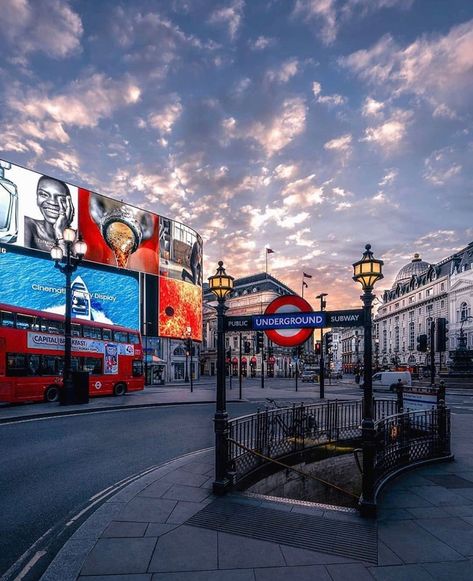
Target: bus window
[8, 319]
[56, 327]
[34, 364]
[137, 368]
[107, 334]
[134, 338]
[51, 365]
[76, 331]
[24, 322]
[120, 336]
[92, 332]
[16, 364]
[92, 365]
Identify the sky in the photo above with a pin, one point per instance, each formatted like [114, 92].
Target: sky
[311, 127]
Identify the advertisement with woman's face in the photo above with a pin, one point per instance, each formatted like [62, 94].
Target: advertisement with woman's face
[34, 208]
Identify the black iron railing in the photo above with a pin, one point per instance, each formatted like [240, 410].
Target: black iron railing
[410, 438]
[279, 432]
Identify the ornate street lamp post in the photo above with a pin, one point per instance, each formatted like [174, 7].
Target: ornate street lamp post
[221, 284]
[367, 272]
[323, 304]
[75, 251]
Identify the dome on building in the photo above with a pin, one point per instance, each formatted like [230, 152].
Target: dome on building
[417, 266]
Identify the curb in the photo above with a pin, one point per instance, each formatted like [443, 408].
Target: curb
[68, 561]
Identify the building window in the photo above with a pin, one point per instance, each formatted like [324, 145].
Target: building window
[385, 340]
[396, 339]
[464, 311]
[442, 286]
[411, 335]
[442, 304]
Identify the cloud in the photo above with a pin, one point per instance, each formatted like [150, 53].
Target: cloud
[342, 143]
[330, 100]
[441, 167]
[49, 26]
[83, 104]
[390, 134]
[389, 178]
[372, 108]
[282, 128]
[438, 69]
[230, 16]
[302, 193]
[261, 43]
[284, 73]
[68, 162]
[164, 120]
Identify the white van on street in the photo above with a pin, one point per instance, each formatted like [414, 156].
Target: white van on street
[384, 379]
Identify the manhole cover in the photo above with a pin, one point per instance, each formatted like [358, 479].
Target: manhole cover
[314, 533]
[450, 481]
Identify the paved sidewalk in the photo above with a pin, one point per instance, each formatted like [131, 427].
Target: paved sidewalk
[168, 526]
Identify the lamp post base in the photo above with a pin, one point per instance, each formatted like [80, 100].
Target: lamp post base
[68, 396]
[220, 487]
[367, 508]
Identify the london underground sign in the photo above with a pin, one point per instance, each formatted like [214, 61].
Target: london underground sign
[287, 310]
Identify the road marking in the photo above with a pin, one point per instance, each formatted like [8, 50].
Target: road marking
[25, 555]
[31, 563]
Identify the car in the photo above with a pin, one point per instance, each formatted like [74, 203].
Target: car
[309, 376]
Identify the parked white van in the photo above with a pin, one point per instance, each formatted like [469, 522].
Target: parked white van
[384, 379]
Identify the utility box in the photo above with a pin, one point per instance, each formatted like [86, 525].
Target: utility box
[80, 380]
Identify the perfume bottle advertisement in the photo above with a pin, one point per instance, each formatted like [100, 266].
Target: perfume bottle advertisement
[34, 208]
[180, 309]
[97, 295]
[118, 234]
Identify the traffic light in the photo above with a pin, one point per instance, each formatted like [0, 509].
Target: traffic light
[228, 353]
[270, 351]
[318, 347]
[259, 341]
[247, 347]
[328, 341]
[442, 335]
[422, 343]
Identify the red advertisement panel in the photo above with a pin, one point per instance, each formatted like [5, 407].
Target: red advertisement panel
[118, 234]
[180, 309]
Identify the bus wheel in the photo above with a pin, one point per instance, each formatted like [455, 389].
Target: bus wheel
[51, 394]
[119, 389]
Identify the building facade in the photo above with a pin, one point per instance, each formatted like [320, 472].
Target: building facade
[421, 294]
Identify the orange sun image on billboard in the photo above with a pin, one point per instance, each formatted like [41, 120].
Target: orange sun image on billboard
[180, 307]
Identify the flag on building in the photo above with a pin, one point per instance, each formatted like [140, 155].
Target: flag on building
[305, 275]
[304, 284]
[269, 251]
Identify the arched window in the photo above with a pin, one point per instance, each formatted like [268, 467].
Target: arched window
[464, 311]
[179, 352]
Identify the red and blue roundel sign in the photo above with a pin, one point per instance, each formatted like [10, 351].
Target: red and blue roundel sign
[288, 337]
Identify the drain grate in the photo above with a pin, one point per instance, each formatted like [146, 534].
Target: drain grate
[450, 481]
[303, 531]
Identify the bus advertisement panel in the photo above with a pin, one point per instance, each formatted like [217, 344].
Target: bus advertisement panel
[97, 295]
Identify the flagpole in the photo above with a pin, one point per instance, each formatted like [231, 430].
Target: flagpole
[266, 253]
[302, 293]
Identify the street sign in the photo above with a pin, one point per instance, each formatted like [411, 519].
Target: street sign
[238, 323]
[295, 320]
[291, 307]
[349, 318]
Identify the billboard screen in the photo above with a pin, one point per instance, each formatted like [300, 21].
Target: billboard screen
[118, 234]
[180, 251]
[97, 295]
[180, 309]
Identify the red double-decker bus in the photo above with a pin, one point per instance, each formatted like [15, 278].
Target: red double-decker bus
[32, 356]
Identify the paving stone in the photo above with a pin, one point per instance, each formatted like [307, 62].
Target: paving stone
[183, 511]
[125, 529]
[185, 549]
[236, 552]
[156, 489]
[394, 514]
[403, 499]
[198, 467]
[158, 529]
[401, 573]
[454, 531]
[463, 511]
[310, 573]
[188, 493]
[229, 575]
[295, 556]
[142, 509]
[141, 577]
[119, 556]
[460, 571]
[349, 571]
[440, 496]
[386, 556]
[180, 476]
[413, 544]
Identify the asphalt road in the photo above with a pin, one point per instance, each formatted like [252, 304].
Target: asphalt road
[51, 468]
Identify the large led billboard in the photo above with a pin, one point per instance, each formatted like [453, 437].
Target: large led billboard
[97, 294]
[35, 209]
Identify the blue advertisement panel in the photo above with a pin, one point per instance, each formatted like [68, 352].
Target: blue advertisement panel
[97, 295]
